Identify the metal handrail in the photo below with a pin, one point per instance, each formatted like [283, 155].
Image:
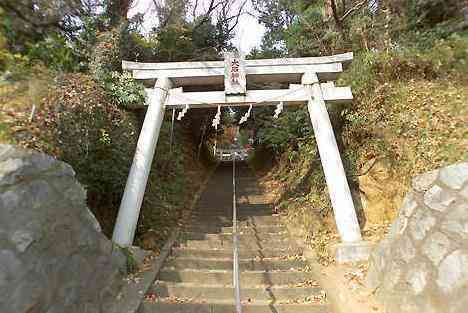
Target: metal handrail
[235, 240]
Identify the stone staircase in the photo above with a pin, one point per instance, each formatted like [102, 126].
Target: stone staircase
[197, 277]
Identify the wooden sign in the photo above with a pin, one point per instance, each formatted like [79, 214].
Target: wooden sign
[234, 74]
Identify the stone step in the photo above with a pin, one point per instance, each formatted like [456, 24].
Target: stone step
[219, 244]
[249, 236]
[226, 264]
[221, 292]
[244, 202]
[243, 238]
[269, 252]
[224, 277]
[241, 214]
[247, 221]
[204, 225]
[213, 229]
[241, 220]
[259, 209]
[229, 307]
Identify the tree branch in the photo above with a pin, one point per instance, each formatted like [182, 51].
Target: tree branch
[237, 16]
[353, 9]
[206, 16]
[194, 9]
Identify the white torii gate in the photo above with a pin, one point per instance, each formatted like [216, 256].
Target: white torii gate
[310, 82]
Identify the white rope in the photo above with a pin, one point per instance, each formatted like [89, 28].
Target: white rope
[273, 99]
[217, 118]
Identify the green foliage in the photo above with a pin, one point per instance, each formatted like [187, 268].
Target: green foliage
[302, 195]
[370, 69]
[175, 43]
[55, 53]
[15, 65]
[131, 262]
[174, 178]
[308, 28]
[48, 32]
[288, 130]
[136, 47]
[95, 138]
[397, 95]
[243, 138]
[82, 119]
[309, 35]
[76, 122]
[125, 91]
[105, 63]
[26, 22]
[429, 13]
[105, 57]
[52, 51]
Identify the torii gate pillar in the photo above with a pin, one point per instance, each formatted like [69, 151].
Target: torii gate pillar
[352, 247]
[127, 219]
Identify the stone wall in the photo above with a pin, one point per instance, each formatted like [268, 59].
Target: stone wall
[53, 256]
[422, 264]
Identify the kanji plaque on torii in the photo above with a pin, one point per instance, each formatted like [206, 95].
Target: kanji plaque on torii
[234, 77]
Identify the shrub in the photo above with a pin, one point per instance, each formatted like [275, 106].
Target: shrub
[95, 137]
[76, 122]
[125, 91]
[105, 57]
[428, 13]
[54, 52]
[288, 130]
[12, 65]
[369, 69]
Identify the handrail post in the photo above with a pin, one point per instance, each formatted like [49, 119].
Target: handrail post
[129, 211]
[235, 239]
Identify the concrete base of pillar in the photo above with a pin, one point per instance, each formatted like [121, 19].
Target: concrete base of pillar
[352, 252]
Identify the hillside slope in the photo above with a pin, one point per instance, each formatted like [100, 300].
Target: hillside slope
[409, 116]
[76, 121]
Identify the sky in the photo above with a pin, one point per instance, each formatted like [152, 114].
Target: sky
[248, 35]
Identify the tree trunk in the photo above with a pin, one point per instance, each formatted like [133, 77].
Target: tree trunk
[336, 17]
[117, 11]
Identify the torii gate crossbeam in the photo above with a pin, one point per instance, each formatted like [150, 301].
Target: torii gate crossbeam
[314, 89]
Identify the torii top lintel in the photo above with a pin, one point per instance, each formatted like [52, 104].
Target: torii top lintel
[287, 70]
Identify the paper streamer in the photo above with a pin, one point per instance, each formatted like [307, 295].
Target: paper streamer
[217, 118]
[279, 109]
[246, 116]
[182, 113]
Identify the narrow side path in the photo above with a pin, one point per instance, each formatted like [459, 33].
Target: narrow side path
[197, 278]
